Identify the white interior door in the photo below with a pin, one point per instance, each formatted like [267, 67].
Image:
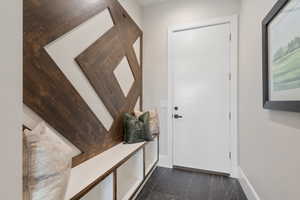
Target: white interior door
[200, 59]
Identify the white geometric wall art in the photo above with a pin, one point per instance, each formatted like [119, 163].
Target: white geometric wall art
[65, 49]
[137, 47]
[137, 105]
[124, 76]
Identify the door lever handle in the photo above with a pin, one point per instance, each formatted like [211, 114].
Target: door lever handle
[176, 116]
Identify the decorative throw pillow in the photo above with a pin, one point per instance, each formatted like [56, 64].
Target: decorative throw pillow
[153, 121]
[136, 129]
[145, 118]
[47, 164]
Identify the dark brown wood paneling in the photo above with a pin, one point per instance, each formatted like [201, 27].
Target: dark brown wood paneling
[50, 94]
[115, 187]
[98, 64]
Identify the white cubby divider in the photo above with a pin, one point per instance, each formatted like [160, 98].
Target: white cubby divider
[116, 174]
[130, 175]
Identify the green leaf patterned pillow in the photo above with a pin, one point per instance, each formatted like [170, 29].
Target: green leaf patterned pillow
[145, 118]
[136, 129]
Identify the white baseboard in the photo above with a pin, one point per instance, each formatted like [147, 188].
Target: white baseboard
[164, 161]
[235, 172]
[247, 186]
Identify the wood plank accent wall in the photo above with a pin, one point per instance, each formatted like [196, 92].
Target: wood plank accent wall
[50, 94]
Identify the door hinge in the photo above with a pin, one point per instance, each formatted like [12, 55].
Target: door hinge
[229, 36]
[230, 155]
[229, 115]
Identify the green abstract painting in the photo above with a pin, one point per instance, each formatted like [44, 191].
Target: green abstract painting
[284, 52]
[286, 66]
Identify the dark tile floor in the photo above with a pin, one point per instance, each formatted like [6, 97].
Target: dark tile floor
[172, 184]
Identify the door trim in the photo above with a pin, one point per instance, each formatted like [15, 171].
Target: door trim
[202, 171]
[233, 21]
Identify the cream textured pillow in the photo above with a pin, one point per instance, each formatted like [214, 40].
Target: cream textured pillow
[47, 164]
[153, 122]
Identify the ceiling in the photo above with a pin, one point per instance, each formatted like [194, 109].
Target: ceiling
[148, 2]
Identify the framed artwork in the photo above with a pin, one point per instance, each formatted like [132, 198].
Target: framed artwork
[281, 57]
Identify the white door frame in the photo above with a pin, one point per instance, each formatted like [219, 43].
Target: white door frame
[233, 21]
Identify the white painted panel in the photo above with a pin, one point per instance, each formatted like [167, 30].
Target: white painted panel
[202, 95]
[66, 48]
[124, 76]
[87, 172]
[103, 191]
[151, 154]
[137, 105]
[31, 120]
[137, 48]
[130, 176]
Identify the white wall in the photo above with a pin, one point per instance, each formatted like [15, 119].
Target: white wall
[156, 20]
[10, 99]
[269, 140]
